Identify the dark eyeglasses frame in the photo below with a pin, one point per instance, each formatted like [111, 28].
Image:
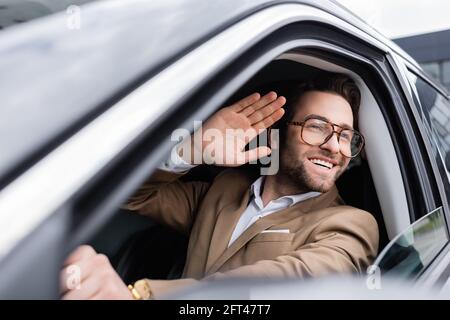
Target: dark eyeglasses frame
[301, 124]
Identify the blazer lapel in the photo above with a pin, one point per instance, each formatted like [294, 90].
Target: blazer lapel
[227, 221]
[225, 224]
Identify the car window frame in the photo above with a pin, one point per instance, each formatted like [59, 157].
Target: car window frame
[438, 272]
[443, 196]
[402, 68]
[419, 138]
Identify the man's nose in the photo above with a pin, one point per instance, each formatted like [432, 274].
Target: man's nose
[332, 144]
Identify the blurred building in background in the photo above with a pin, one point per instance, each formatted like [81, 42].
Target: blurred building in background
[432, 51]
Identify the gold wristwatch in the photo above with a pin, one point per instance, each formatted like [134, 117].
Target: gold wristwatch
[141, 290]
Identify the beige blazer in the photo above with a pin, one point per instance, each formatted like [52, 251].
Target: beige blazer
[325, 236]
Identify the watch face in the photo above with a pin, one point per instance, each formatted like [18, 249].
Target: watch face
[143, 288]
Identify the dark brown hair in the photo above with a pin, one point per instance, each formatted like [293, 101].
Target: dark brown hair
[336, 83]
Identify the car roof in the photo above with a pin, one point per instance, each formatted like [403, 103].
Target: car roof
[56, 79]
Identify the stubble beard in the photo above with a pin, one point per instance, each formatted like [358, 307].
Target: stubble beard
[294, 172]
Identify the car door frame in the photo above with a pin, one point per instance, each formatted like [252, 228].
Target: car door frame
[438, 272]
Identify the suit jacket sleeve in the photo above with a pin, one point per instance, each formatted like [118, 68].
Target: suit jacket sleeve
[168, 200]
[343, 243]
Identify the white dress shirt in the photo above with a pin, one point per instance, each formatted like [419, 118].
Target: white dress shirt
[255, 209]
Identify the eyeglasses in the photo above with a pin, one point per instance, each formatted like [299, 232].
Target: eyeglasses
[317, 132]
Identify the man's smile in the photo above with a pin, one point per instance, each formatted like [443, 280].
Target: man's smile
[323, 165]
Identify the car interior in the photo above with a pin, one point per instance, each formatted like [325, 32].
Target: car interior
[369, 183]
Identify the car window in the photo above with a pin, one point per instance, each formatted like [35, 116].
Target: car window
[412, 251]
[435, 114]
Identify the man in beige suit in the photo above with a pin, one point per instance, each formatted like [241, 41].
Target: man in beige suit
[290, 224]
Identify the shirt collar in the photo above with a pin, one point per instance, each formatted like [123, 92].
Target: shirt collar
[255, 190]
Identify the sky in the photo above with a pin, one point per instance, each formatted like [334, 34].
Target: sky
[399, 18]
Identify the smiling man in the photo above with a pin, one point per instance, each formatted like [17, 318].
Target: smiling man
[290, 224]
